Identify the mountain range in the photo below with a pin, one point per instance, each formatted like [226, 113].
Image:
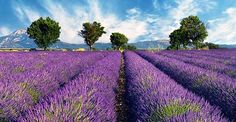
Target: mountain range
[20, 39]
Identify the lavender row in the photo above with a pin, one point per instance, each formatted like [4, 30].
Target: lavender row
[203, 55]
[31, 87]
[218, 89]
[12, 68]
[153, 96]
[231, 54]
[156, 97]
[209, 64]
[89, 97]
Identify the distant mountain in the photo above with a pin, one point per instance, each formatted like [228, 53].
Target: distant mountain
[227, 46]
[162, 44]
[17, 39]
[20, 39]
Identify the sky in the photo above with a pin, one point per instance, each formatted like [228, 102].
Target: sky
[139, 20]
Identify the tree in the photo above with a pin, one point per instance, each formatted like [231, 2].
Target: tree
[45, 32]
[191, 31]
[194, 29]
[91, 33]
[131, 47]
[175, 39]
[128, 47]
[178, 38]
[118, 40]
[212, 45]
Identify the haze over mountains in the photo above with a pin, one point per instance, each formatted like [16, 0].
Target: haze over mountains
[20, 39]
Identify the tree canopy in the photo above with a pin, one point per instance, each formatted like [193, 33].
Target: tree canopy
[130, 47]
[45, 32]
[118, 40]
[211, 45]
[192, 31]
[91, 33]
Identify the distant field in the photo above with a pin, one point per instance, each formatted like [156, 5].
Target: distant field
[113, 86]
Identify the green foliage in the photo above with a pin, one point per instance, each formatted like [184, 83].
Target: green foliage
[118, 40]
[34, 94]
[45, 32]
[19, 69]
[194, 29]
[191, 31]
[173, 109]
[131, 47]
[128, 47]
[212, 45]
[176, 39]
[91, 33]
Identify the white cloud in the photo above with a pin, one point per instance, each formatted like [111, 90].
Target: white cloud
[25, 13]
[133, 12]
[136, 25]
[4, 31]
[156, 4]
[163, 26]
[222, 30]
[71, 22]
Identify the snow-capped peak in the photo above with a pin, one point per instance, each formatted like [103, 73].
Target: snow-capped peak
[19, 32]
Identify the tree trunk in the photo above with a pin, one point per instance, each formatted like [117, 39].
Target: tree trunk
[90, 47]
[44, 48]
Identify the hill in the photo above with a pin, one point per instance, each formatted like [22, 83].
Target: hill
[20, 39]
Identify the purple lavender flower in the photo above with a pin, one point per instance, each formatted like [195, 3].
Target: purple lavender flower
[22, 88]
[218, 89]
[89, 97]
[153, 96]
[203, 63]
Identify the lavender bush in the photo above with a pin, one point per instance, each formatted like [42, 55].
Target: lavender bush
[153, 96]
[226, 56]
[89, 97]
[218, 89]
[206, 64]
[21, 91]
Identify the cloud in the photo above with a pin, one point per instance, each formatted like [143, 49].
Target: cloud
[71, 20]
[163, 26]
[136, 24]
[222, 30]
[133, 12]
[156, 4]
[25, 14]
[4, 31]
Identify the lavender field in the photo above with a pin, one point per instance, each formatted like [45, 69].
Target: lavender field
[101, 86]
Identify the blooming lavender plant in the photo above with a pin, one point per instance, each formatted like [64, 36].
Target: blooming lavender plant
[20, 92]
[218, 89]
[89, 97]
[153, 96]
[206, 64]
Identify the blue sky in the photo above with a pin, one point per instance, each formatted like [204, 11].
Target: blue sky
[139, 20]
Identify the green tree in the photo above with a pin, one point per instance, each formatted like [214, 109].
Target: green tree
[118, 40]
[212, 45]
[194, 30]
[175, 39]
[178, 38]
[131, 47]
[91, 33]
[45, 32]
[128, 47]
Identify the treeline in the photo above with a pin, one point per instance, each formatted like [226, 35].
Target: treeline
[46, 32]
[191, 33]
